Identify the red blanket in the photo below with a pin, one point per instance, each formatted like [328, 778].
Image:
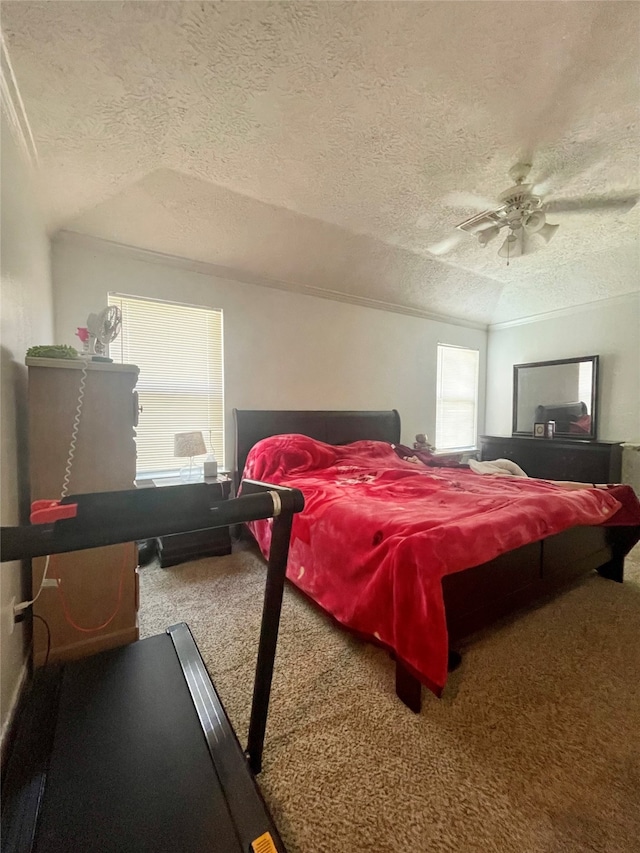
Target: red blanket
[378, 533]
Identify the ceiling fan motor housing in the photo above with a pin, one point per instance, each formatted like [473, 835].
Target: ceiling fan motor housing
[520, 198]
[518, 206]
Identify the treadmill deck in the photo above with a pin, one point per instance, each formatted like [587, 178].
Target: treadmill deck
[143, 758]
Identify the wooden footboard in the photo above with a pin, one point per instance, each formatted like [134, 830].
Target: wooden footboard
[477, 597]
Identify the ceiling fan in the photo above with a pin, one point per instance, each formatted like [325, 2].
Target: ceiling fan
[522, 212]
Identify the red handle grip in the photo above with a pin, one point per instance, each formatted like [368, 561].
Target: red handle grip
[46, 512]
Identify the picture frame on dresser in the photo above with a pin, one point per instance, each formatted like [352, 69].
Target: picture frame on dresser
[563, 391]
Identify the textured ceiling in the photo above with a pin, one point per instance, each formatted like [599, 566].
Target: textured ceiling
[314, 143]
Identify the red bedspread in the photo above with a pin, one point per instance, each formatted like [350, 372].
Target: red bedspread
[378, 533]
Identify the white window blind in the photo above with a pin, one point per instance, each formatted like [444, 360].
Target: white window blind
[457, 397]
[585, 375]
[178, 349]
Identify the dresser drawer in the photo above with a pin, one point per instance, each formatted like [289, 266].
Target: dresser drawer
[193, 546]
[558, 459]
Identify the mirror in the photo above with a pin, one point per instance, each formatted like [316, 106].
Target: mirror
[564, 391]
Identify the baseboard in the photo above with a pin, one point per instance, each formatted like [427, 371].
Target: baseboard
[9, 724]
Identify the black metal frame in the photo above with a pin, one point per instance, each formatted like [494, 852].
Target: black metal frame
[250, 815]
[269, 627]
[109, 518]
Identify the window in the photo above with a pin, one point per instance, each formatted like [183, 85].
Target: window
[178, 349]
[585, 383]
[457, 397]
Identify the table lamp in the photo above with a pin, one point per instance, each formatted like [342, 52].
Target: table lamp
[189, 444]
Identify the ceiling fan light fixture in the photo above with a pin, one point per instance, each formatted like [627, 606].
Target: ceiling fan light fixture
[535, 222]
[510, 248]
[547, 232]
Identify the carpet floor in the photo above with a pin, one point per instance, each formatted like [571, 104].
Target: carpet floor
[534, 748]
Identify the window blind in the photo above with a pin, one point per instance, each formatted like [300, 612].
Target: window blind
[585, 375]
[457, 397]
[178, 349]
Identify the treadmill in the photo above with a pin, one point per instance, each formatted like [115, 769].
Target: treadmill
[130, 750]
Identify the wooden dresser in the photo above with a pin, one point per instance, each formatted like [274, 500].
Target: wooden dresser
[557, 458]
[92, 582]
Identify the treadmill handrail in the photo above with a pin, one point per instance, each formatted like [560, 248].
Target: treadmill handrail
[108, 518]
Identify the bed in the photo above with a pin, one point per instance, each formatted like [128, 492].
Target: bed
[474, 597]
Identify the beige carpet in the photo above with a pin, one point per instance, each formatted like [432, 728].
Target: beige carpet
[534, 747]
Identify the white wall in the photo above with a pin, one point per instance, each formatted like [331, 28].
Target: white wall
[26, 319]
[610, 329]
[283, 350]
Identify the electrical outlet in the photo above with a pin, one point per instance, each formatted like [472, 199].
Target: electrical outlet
[50, 582]
[8, 617]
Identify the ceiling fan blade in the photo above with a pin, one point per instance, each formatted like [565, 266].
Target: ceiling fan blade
[470, 201]
[563, 166]
[543, 183]
[576, 59]
[446, 245]
[623, 203]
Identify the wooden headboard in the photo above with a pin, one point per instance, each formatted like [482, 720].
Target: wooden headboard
[252, 425]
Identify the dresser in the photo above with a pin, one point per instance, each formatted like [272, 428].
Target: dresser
[97, 583]
[557, 458]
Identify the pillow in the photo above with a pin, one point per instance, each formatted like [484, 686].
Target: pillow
[280, 455]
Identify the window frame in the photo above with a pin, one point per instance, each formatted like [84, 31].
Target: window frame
[116, 351]
[440, 399]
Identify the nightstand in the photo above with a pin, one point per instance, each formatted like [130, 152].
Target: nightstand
[199, 543]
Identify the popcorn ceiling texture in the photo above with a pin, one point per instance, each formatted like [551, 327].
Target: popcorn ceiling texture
[314, 142]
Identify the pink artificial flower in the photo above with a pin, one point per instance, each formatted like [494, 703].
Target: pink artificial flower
[83, 334]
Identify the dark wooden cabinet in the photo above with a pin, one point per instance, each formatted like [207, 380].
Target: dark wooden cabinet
[557, 458]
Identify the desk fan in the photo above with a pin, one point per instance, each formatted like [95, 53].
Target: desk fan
[104, 327]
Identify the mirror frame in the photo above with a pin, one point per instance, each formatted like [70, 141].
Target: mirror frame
[592, 436]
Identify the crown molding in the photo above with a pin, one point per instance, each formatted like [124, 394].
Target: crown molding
[13, 106]
[206, 268]
[622, 299]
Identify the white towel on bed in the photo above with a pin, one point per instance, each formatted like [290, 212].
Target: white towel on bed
[497, 467]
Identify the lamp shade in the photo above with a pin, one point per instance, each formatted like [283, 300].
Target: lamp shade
[188, 444]
[547, 232]
[511, 248]
[535, 222]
